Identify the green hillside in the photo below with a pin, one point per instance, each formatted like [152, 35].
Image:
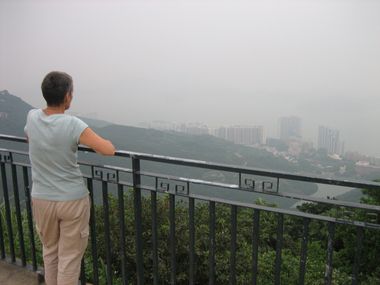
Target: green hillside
[13, 113]
[206, 148]
[152, 141]
[202, 147]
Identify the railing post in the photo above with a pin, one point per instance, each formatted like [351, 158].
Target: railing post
[153, 201]
[94, 248]
[233, 245]
[255, 245]
[138, 219]
[123, 256]
[107, 232]
[358, 250]
[18, 212]
[82, 273]
[211, 257]
[172, 241]
[192, 241]
[280, 237]
[2, 245]
[330, 250]
[28, 204]
[305, 239]
[7, 211]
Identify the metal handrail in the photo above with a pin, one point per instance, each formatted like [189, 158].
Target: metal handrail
[224, 167]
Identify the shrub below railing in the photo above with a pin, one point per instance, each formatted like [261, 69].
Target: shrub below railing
[344, 245]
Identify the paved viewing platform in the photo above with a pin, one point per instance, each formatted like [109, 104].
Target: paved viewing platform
[11, 274]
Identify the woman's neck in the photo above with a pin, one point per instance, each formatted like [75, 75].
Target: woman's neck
[51, 110]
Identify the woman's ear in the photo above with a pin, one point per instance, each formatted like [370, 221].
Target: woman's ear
[68, 99]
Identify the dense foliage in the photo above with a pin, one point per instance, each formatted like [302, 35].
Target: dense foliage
[343, 257]
[344, 244]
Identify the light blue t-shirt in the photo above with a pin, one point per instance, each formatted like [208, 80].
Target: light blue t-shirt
[53, 152]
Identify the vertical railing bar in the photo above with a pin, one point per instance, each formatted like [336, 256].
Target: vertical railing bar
[255, 245]
[82, 273]
[278, 184]
[29, 214]
[192, 241]
[304, 244]
[18, 214]
[330, 250]
[2, 245]
[138, 219]
[120, 189]
[107, 233]
[212, 243]
[280, 236]
[358, 250]
[153, 201]
[233, 245]
[240, 180]
[2, 241]
[94, 249]
[172, 239]
[8, 212]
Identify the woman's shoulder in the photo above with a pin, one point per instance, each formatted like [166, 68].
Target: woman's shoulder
[74, 122]
[33, 112]
[73, 118]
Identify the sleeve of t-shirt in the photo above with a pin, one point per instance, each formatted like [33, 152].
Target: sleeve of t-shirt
[26, 124]
[26, 128]
[78, 127]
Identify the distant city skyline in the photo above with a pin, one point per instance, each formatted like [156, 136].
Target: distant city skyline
[290, 130]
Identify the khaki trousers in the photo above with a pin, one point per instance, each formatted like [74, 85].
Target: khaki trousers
[63, 229]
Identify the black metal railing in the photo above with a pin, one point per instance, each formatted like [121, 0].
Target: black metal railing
[140, 175]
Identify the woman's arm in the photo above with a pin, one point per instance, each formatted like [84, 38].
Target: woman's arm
[96, 142]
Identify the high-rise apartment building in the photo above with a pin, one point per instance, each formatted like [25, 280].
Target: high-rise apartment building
[290, 128]
[328, 139]
[221, 132]
[247, 135]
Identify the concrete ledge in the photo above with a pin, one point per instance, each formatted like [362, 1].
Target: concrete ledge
[12, 274]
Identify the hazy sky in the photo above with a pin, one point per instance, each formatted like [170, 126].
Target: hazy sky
[219, 62]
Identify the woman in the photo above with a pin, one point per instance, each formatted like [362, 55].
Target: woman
[60, 200]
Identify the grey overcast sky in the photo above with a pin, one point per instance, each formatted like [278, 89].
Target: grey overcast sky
[222, 62]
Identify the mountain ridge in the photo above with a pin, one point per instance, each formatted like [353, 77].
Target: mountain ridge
[203, 147]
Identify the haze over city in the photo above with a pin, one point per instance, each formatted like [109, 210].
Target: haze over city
[218, 62]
